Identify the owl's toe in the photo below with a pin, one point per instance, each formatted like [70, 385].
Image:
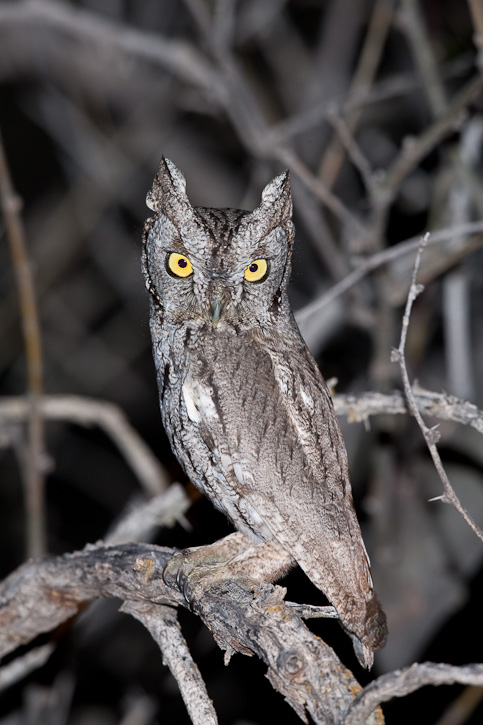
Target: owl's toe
[178, 569]
[191, 573]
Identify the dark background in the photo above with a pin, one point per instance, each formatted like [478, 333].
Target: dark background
[91, 94]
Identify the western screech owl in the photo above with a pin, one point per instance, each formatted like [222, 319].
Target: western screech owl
[243, 402]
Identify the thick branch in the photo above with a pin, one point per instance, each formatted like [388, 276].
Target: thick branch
[41, 595]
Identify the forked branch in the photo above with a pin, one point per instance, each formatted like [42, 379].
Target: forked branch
[431, 435]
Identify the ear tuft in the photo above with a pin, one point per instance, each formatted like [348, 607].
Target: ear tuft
[167, 168]
[277, 195]
[168, 182]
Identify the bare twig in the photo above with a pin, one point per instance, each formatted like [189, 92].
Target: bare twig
[359, 408]
[431, 435]
[403, 682]
[34, 462]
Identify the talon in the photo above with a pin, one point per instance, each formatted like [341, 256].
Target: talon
[187, 593]
[183, 584]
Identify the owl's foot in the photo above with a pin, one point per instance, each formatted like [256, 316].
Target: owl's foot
[234, 558]
[197, 581]
[190, 567]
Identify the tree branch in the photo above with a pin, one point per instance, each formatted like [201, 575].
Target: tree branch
[359, 408]
[402, 682]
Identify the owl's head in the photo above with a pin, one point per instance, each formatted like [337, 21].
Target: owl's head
[217, 266]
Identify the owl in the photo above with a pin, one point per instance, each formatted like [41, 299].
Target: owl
[243, 402]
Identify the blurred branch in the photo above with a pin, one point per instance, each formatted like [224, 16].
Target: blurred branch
[416, 149]
[106, 415]
[403, 682]
[33, 460]
[25, 664]
[97, 31]
[377, 32]
[247, 119]
[41, 595]
[398, 85]
[380, 258]
[413, 22]
[162, 624]
[476, 9]
[345, 142]
[460, 710]
[140, 521]
[456, 285]
[140, 709]
[431, 435]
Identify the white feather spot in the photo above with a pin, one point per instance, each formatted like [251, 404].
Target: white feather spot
[205, 403]
[238, 471]
[226, 461]
[307, 399]
[193, 412]
[199, 402]
[280, 376]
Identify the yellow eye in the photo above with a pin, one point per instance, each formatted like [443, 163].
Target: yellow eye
[179, 265]
[257, 270]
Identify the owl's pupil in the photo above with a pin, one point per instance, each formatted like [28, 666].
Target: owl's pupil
[182, 263]
[253, 267]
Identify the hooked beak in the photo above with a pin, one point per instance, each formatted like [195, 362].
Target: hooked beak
[217, 306]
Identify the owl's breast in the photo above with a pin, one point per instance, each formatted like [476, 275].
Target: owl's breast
[253, 433]
[218, 404]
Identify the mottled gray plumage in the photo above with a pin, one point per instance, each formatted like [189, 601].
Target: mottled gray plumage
[243, 402]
